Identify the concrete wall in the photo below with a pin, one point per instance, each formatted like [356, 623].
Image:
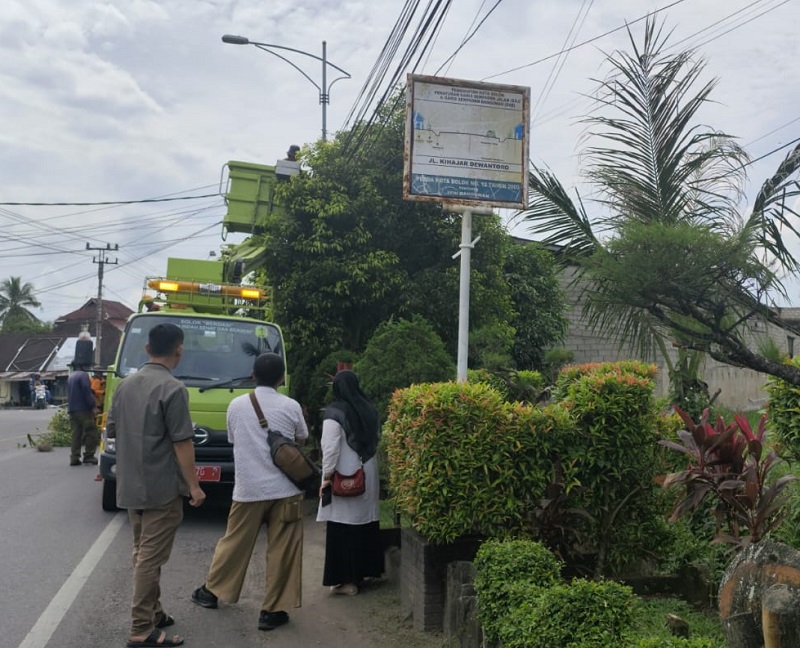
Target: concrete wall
[742, 389]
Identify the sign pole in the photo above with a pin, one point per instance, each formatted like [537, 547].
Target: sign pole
[465, 251]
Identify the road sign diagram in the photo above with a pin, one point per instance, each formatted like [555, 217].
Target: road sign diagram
[468, 141]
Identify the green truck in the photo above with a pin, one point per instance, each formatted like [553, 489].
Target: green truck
[226, 325]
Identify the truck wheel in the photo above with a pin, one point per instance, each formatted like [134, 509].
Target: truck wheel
[109, 495]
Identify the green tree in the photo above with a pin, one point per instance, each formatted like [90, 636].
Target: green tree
[668, 251]
[539, 321]
[15, 300]
[348, 253]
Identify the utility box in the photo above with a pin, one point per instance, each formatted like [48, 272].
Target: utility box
[250, 196]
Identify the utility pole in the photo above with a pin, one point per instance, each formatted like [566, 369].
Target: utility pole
[101, 261]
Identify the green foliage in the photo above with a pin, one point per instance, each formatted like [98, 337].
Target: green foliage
[463, 461]
[554, 360]
[581, 614]
[347, 253]
[577, 474]
[784, 415]
[508, 573]
[686, 389]
[571, 373]
[59, 434]
[540, 321]
[608, 462]
[522, 386]
[401, 353]
[730, 464]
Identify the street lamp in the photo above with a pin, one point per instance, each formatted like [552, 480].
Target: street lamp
[324, 89]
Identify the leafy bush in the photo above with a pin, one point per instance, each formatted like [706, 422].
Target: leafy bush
[784, 415]
[609, 460]
[571, 373]
[507, 574]
[581, 614]
[402, 353]
[462, 461]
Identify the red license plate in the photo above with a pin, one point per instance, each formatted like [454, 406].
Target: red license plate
[208, 473]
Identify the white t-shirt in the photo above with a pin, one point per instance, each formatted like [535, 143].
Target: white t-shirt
[257, 478]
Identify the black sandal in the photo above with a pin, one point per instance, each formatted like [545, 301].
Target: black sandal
[153, 640]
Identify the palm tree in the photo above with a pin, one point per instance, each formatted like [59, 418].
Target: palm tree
[15, 299]
[668, 253]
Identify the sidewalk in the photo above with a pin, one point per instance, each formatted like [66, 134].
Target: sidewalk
[372, 618]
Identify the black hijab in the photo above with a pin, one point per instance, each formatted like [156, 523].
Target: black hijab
[355, 413]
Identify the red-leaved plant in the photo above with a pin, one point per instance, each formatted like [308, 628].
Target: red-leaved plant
[729, 463]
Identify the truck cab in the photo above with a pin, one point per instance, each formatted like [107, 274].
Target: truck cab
[225, 324]
[217, 363]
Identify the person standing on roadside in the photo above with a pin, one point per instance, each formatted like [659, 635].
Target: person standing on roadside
[350, 435]
[149, 418]
[262, 494]
[98, 383]
[82, 409]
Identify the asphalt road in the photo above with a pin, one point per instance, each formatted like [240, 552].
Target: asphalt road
[66, 576]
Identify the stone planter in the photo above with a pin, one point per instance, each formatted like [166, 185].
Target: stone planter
[423, 575]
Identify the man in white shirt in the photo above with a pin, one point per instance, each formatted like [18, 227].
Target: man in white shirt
[262, 494]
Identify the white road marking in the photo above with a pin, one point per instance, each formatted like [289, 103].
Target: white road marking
[46, 625]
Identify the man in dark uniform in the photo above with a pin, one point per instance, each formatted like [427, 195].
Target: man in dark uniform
[82, 410]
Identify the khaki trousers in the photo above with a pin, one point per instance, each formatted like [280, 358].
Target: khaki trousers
[284, 574]
[153, 535]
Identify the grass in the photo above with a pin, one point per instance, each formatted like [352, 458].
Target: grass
[651, 614]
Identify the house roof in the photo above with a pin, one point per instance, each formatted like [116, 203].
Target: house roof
[112, 310]
[28, 353]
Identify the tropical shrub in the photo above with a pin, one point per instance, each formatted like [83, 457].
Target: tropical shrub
[571, 373]
[608, 461]
[401, 353]
[579, 614]
[464, 461]
[729, 463]
[507, 573]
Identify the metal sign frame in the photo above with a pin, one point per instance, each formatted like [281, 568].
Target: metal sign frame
[466, 142]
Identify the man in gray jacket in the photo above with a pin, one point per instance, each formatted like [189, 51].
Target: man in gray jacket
[149, 418]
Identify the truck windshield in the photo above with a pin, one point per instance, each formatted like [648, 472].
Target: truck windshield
[214, 349]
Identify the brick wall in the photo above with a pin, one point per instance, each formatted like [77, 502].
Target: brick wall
[740, 388]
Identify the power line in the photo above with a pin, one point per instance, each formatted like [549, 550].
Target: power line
[107, 202]
[586, 42]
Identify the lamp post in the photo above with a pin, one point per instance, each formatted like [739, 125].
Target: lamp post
[324, 89]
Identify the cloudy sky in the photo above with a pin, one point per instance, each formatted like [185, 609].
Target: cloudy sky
[128, 100]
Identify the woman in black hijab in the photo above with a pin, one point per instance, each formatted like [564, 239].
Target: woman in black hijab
[350, 434]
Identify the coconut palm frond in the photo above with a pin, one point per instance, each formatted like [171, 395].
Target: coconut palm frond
[655, 166]
[772, 216]
[553, 214]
